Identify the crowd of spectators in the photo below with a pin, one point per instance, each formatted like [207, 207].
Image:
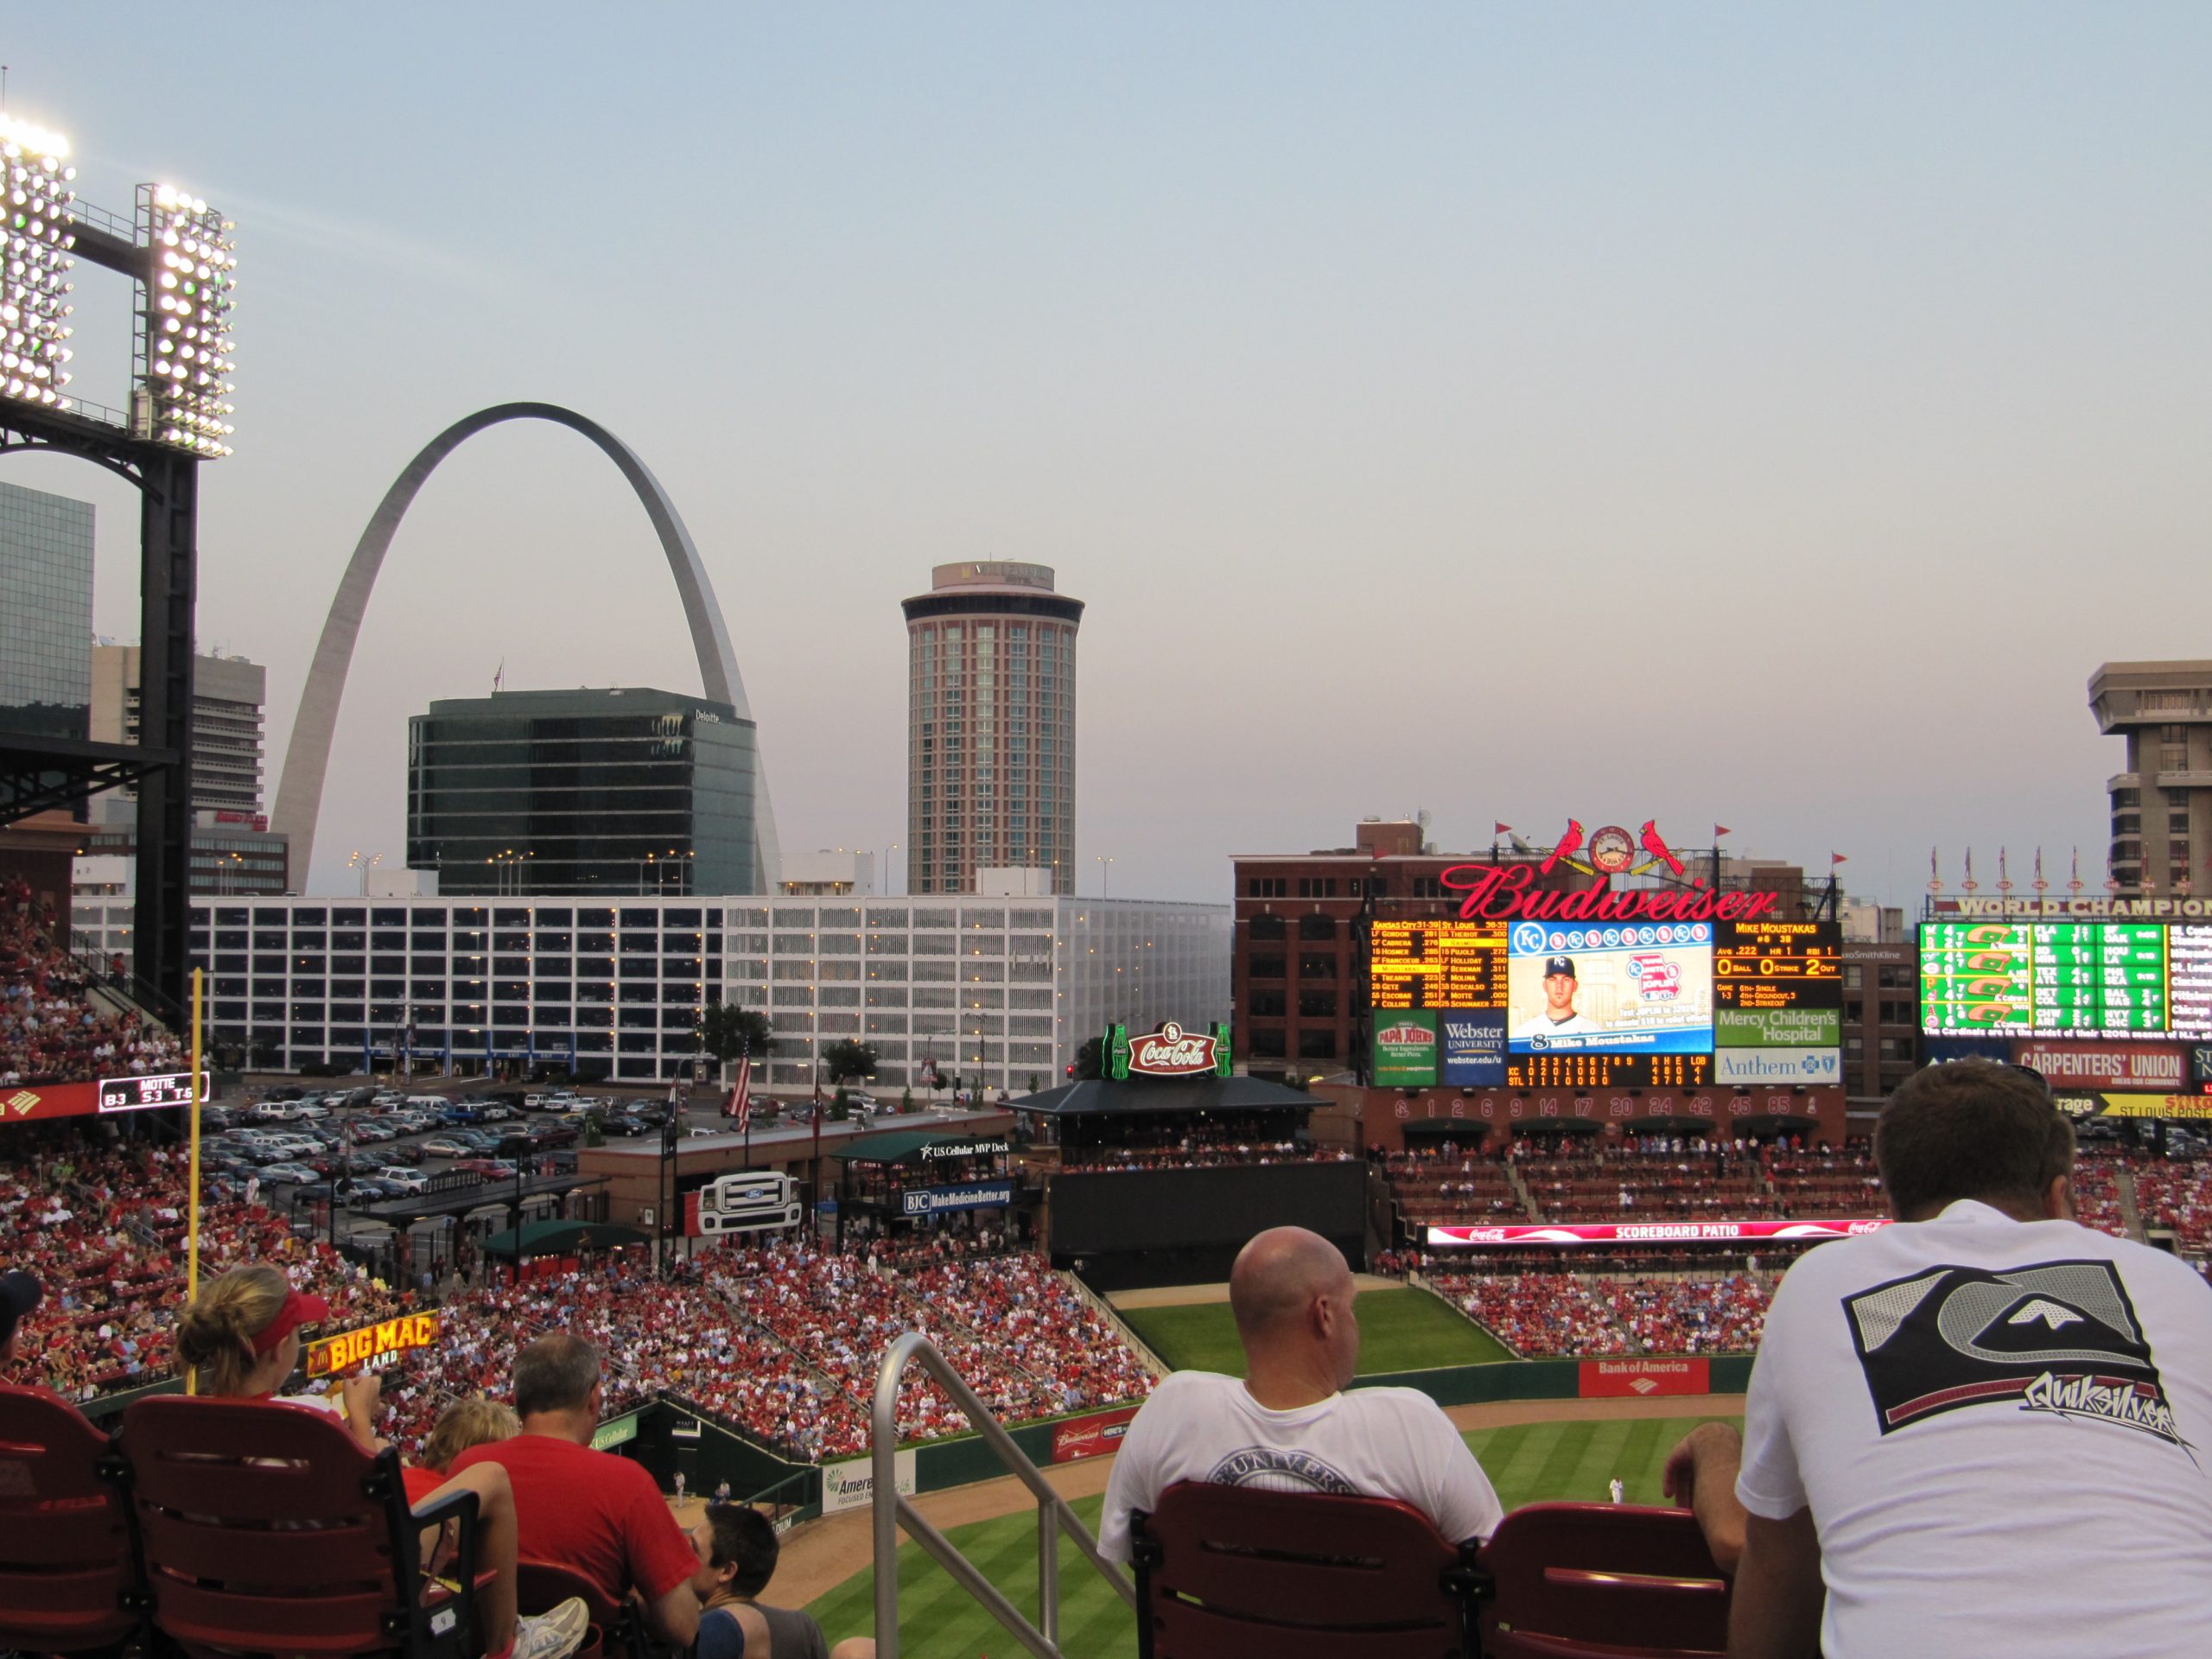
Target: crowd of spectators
[2177, 1197]
[1537, 1315]
[1206, 1155]
[1689, 1315]
[50, 1031]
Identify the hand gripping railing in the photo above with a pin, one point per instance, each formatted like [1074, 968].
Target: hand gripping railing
[893, 1511]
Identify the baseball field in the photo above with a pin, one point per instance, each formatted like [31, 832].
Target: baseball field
[1527, 1462]
[1552, 1449]
[1400, 1329]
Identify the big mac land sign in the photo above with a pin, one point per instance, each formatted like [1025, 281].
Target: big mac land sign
[374, 1345]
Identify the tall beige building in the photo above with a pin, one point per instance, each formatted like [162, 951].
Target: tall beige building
[990, 746]
[2162, 801]
[228, 695]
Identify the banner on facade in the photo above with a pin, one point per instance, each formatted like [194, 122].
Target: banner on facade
[851, 1484]
[1641, 1379]
[1092, 1436]
[1569, 1234]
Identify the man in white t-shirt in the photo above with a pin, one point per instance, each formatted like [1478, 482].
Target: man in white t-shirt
[1982, 1431]
[1290, 1426]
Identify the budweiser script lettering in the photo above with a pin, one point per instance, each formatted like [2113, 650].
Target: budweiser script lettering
[1503, 894]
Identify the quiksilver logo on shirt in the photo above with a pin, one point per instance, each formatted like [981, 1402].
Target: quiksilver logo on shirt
[2059, 1338]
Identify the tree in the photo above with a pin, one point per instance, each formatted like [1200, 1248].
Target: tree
[1090, 1059]
[725, 1032]
[848, 1061]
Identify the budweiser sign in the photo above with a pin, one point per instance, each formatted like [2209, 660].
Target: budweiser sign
[1507, 893]
[1171, 1051]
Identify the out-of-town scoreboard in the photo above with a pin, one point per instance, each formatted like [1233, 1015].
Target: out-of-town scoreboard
[2121, 979]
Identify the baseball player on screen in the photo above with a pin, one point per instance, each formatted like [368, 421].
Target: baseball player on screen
[1559, 1016]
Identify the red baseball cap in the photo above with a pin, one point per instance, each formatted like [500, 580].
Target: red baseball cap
[299, 1309]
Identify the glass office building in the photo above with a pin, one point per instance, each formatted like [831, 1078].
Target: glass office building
[46, 599]
[1002, 990]
[613, 794]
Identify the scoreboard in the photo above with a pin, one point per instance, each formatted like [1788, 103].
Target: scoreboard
[2125, 980]
[1608, 1068]
[1770, 965]
[144, 1094]
[1433, 965]
[1440, 992]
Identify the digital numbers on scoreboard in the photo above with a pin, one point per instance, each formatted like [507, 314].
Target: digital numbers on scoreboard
[1779, 965]
[1436, 965]
[145, 1094]
[1602, 1069]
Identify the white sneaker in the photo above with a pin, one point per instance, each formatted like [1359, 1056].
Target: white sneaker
[553, 1634]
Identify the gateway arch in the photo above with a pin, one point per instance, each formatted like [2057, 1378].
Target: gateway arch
[306, 760]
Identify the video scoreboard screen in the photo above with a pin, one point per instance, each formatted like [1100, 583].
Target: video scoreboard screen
[1603, 1005]
[2128, 980]
[145, 1094]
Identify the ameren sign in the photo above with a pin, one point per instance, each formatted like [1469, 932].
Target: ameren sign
[373, 1344]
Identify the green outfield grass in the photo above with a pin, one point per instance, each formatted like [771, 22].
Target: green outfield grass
[1527, 1464]
[1400, 1330]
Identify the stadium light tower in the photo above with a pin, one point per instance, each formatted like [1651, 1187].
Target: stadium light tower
[179, 253]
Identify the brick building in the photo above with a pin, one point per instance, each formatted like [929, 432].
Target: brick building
[1881, 1018]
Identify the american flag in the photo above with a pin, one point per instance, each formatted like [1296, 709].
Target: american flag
[740, 1097]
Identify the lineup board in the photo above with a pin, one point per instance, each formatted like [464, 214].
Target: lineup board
[2053, 978]
[1436, 965]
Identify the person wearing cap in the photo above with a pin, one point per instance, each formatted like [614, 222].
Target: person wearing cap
[1558, 1017]
[240, 1339]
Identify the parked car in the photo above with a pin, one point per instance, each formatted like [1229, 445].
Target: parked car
[491, 1169]
[628, 1128]
[405, 1180]
[444, 1145]
[401, 1151]
[493, 1111]
[374, 1189]
[375, 1132]
[311, 1108]
[287, 1172]
[453, 1114]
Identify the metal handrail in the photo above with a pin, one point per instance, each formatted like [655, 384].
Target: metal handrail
[893, 1511]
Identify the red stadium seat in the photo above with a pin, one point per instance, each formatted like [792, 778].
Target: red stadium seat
[1230, 1572]
[268, 1530]
[68, 1574]
[1585, 1580]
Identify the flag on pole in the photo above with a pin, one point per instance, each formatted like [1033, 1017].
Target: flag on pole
[1838, 858]
[1498, 829]
[1719, 830]
[499, 675]
[740, 1097]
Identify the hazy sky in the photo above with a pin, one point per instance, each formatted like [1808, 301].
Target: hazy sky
[1765, 414]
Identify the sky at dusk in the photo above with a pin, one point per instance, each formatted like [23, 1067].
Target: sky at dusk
[1763, 415]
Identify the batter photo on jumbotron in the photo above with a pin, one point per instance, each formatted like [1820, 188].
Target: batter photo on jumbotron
[1600, 985]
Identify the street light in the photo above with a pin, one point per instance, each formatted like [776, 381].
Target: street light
[364, 863]
[1105, 873]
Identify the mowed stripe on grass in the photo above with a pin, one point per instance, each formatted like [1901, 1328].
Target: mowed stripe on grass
[1527, 1462]
[1400, 1329]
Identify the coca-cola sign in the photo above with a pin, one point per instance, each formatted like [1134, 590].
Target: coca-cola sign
[1569, 1235]
[1171, 1051]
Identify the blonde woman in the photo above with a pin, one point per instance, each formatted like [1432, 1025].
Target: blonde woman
[241, 1339]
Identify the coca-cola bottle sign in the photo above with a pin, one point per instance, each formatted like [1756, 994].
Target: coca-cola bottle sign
[1171, 1052]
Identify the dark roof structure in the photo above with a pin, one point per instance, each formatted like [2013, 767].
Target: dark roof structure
[1099, 1096]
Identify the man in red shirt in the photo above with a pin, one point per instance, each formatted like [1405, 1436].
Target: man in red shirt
[596, 1514]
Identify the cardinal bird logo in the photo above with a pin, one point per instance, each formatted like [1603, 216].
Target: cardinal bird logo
[1655, 845]
[1569, 844]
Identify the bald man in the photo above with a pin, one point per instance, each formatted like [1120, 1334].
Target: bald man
[1289, 1427]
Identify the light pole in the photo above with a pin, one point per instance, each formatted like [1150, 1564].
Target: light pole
[1105, 873]
[364, 863]
[884, 874]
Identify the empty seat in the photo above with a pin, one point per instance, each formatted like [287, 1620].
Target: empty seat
[67, 1570]
[1586, 1580]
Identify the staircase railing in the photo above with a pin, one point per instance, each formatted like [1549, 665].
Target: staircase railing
[893, 1512]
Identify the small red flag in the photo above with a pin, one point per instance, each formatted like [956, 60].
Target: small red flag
[1838, 858]
[1500, 829]
[1719, 830]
